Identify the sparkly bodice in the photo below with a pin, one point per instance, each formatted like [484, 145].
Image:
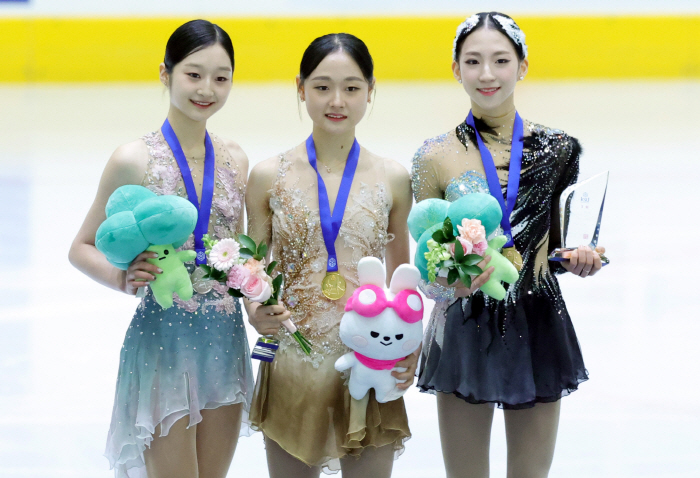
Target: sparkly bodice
[163, 178]
[449, 166]
[301, 253]
[469, 182]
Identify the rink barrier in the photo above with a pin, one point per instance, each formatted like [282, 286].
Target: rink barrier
[404, 48]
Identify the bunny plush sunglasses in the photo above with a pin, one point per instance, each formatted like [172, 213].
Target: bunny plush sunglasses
[370, 301]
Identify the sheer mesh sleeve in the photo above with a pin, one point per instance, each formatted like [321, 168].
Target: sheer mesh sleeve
[424, 175]
[570, 152]
[426, 184]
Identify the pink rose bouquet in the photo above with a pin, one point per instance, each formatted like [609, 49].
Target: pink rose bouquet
[239, 264]
[455, 257]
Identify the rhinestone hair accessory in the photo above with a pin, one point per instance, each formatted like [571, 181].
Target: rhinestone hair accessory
[513, 31]
[463, 27]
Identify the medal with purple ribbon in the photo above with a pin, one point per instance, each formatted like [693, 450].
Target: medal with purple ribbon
[333, 285]
[507, 206]
[207, 185]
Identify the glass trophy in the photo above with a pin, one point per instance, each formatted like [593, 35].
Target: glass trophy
[580, 213]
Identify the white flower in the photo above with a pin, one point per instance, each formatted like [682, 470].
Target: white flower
[224, 254]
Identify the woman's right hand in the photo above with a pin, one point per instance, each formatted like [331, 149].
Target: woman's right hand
[140, 272]
[267, 318]
[478, 281]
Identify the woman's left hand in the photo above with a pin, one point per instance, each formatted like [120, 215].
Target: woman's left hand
[584, 261]
[410, 363]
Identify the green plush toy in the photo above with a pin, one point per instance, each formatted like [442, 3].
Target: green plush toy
[139, 220]
[174, 278]
[428, 216]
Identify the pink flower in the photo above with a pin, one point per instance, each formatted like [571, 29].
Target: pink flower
[237, 276]
[466, 246]
[472, 230]
[256, 289]
[255, 267]
[480, 247]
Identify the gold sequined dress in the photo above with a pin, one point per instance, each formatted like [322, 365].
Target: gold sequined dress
[193, 356]
[521, 350]
[302, 402]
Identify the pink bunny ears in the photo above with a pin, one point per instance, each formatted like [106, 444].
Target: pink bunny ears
[370, 301]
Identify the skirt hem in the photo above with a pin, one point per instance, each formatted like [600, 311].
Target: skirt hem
[503, 404]
[130, 454]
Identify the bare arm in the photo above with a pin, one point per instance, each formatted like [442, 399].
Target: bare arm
[127, 165]
[265, 319]
[398, 252]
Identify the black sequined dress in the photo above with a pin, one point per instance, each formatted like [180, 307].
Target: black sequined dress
[521, 350]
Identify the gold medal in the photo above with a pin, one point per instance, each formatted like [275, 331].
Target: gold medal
[333, 285]
[513, 257]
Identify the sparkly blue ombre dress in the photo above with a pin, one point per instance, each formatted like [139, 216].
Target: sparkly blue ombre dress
[193, 356]
[522, 350]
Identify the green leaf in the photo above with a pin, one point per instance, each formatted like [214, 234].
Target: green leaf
[206, 268]
[235, 293]
[474, 270]
[464, 276]
[459, 251]
[271, 267]
[447, 229]
[246, 253]
[247, 242]
[276, 284]
[262, 249]
[439, 237]
[452, 276]
[218, 275]
[472, 259]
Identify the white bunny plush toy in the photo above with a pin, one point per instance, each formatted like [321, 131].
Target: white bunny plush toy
[382, 327]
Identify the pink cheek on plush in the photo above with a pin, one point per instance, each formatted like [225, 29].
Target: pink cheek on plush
[359, 341]
[410, 345]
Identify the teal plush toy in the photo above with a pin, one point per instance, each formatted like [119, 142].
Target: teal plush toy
[428, 216]
[139, 220]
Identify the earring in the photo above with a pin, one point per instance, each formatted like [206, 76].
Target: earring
[521, 78]
[459, 81]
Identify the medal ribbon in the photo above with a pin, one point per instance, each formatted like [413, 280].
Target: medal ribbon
[204, 211]
[516, 160]
[330, 222]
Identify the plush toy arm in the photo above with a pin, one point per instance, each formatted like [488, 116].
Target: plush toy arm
[186, 256]
[498, 242]
[494, 289]
[345, 362]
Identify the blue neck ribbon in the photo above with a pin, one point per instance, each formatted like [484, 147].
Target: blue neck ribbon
[330, 222]
[204, 211]
[516, 160]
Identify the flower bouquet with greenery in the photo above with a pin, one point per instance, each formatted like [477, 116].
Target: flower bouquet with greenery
[240, 265]
[456, 257]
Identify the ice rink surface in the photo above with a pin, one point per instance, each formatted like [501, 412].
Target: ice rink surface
[637, 322]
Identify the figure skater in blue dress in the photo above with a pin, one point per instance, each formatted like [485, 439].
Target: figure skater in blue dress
[185, 381]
